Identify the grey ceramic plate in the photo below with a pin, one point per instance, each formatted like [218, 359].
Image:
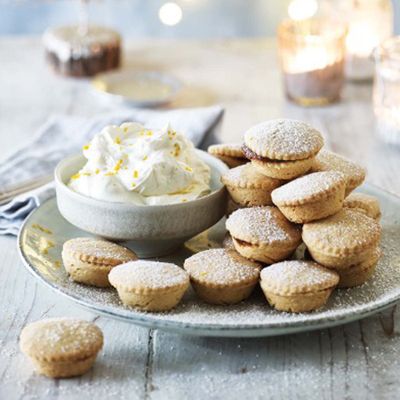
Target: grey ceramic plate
[45, 230]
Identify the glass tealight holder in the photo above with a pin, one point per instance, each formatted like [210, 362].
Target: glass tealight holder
[386, 93]
[369, 23]
[312, 54]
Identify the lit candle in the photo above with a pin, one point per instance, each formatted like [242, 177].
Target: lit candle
[309, 59]
[369, 23]
[312, 59]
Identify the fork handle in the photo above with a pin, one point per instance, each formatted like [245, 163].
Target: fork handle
[24, 187]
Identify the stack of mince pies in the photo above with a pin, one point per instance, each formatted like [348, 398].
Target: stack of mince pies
[291, 191]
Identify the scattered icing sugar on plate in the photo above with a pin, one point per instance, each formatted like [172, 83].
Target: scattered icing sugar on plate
[252, 317]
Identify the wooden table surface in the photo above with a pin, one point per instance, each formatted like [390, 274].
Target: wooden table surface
[355, 361]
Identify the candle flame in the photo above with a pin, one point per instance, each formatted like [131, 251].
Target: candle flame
[309, 59]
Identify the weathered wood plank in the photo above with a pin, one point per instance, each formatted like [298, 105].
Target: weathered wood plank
[356, 361]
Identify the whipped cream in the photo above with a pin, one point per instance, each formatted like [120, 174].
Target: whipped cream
[134, 164]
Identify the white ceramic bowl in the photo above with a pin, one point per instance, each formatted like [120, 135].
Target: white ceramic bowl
[150, 231]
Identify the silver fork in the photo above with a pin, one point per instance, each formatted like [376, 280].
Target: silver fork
[23, 187]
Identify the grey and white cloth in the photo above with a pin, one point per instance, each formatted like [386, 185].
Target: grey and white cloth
[63, 135]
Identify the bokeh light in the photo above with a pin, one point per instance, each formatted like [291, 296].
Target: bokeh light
[170, 14]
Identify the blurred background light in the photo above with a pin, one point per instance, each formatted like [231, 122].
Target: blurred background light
[170, 14]
[140, 18]
[302, 9]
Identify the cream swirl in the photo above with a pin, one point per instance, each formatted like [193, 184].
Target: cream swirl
[134, 164]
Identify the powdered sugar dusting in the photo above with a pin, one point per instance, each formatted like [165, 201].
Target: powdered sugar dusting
[347, 228]
[99, 249]
[60, 336]
[329, 161]
[222, 267]
[261, 224]
[237, 174]
[363, 202]
[296, 276]
[307, 187]
[283, 139]
[147, 274]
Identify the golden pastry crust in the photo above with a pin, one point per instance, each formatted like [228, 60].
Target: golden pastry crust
[264, 225]
[341, 262]
[263, 234]
[346, 232]
[296, 276]
[298, 286]
[283, 139]
[315, 211]
[358, 274]
[365, 203]
[298, 303]
[149, 285]
[220, 268]
[247, 177]
[89, 260]
[308, 189]
[230, 153]
[248, 187]
[221, 276]
[284, 170]
[329, 161]
[227, 149]
[98, 251]
[311, 197]
[61, 347]
[265, 253]
[63, 369]
[343, 239]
